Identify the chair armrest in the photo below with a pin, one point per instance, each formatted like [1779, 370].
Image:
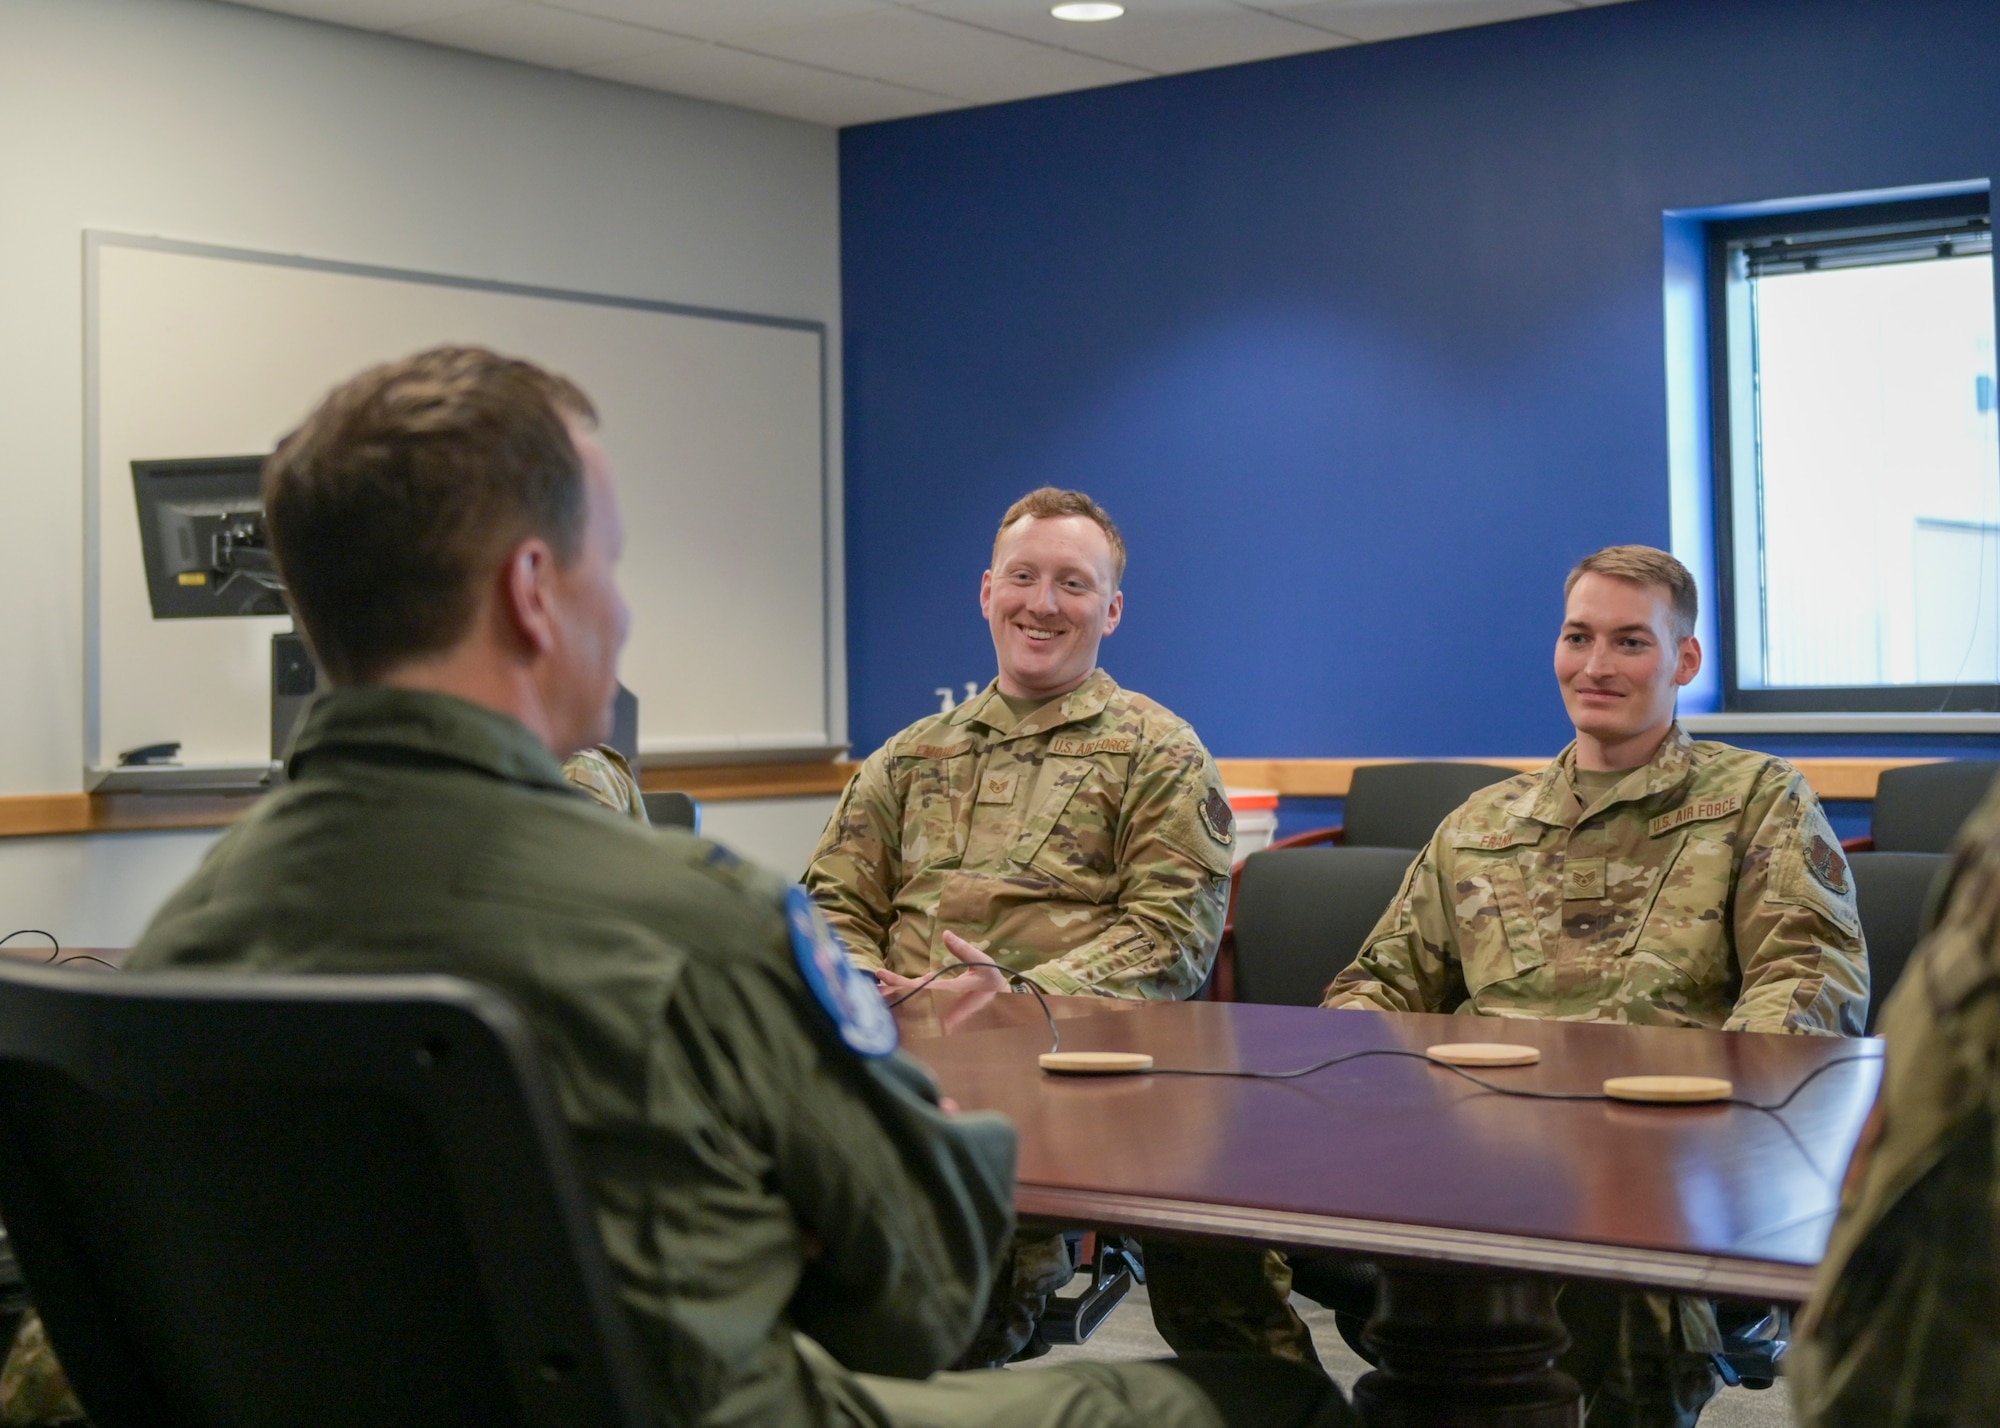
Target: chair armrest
[1863, 844]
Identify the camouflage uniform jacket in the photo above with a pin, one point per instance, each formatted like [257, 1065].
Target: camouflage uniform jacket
[601, 772]
[1705, 888]
[1903, 1328]
[1087, 846]
[752, 1176]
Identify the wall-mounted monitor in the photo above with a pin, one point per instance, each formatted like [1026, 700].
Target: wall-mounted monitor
[201, 527]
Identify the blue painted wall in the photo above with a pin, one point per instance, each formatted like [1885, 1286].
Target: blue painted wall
[1363, 348]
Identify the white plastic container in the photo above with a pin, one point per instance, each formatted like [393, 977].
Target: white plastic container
[1256, 812]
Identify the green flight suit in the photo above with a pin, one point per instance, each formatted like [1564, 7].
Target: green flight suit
[1903, 1328]
[783, 1218]
[1703, 889]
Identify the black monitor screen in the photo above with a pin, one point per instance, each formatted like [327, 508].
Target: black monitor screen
[201, 523]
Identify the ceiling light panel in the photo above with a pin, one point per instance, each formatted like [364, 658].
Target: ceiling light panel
[1167, 37]
[537, 34]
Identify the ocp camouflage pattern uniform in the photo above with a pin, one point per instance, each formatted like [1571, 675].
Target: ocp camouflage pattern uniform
[1086, 845]
[1706, 888]
[601, 772]
[1703, 889]
[34, 1390]
[1903, 1328]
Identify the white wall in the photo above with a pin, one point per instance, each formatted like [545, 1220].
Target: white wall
[203, 121]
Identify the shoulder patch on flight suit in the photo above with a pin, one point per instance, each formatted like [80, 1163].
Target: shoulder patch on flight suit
[1700, 811]
[847, 994]
[1074, 746]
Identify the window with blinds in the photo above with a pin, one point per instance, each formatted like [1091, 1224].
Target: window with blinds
[1858, 458]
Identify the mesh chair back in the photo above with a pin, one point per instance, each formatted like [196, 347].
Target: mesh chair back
[1919, 809]
[673, 810]
[1893, 892]
[264, 1202]
[1401, 805]
[1303, 913]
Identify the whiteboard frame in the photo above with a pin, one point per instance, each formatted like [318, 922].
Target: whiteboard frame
[832, 740]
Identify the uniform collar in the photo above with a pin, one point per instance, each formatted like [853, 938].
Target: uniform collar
[1552, 798]
[428, 726]
[989, 708]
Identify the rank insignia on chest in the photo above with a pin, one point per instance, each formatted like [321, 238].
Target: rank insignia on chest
[1583, 879]
[843, 990]
[999, 787]
[1823, 860]
[1218, 818]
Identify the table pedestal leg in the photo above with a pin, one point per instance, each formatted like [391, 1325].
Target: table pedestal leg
[1462, 1349]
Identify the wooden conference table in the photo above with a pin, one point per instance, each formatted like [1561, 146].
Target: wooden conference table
[1404, 1161]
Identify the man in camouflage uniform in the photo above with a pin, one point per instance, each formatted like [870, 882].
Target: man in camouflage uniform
[1903, 1328]
[1070, 830]
[798, 1229]
[1642, 877]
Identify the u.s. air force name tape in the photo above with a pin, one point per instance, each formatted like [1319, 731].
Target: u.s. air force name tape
[849, 995]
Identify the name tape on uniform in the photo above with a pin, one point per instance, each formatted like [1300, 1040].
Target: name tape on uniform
[848, 995]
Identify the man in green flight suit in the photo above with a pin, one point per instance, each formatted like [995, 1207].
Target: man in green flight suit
[1642, 877]
[1903, 1328]
[800, 1231]
[1073, 832]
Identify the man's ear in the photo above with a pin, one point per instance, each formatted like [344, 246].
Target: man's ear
[526, 595]
[1689, 663]
[986, 596]
[1115, 611]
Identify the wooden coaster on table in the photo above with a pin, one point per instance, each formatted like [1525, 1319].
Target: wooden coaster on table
[1096, 1063]
[1483, 1053]
[1668, 1090]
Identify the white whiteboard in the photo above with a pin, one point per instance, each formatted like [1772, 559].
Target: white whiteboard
[715, 424]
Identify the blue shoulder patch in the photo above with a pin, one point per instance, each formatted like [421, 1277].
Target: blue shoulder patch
[850, 996]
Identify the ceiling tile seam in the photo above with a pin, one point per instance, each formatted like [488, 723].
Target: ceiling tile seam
[838, 73]
[1295, 20]
[917, 9]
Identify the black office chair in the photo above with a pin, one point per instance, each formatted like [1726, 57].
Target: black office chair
[1303, 913]
[1920, 808]
[1401, 805]
[1894, 892]
[264, 1202]
[673, 810]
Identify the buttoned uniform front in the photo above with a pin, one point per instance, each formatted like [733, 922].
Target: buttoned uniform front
[778, 1211]
[1903, 1327]
[1086, 845]
[1705, 888]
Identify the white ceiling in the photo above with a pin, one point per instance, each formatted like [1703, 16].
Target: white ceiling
[854, 61]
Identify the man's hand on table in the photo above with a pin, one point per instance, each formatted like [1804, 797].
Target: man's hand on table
[960, 994]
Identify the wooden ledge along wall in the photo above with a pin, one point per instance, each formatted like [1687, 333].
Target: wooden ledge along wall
[41, 815]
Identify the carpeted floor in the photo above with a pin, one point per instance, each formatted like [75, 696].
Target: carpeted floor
[1129, 1334]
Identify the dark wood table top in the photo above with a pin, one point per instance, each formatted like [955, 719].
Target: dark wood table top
[1403, 1159]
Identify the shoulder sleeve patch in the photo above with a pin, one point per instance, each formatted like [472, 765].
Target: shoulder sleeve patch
[843, 991]
[1700, 810]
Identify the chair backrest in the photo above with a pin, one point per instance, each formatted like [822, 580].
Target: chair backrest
[673, 810]
[1893, 892]
[1401, 805]
[276, 1201]
[1920, 808]
[1303, 913]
